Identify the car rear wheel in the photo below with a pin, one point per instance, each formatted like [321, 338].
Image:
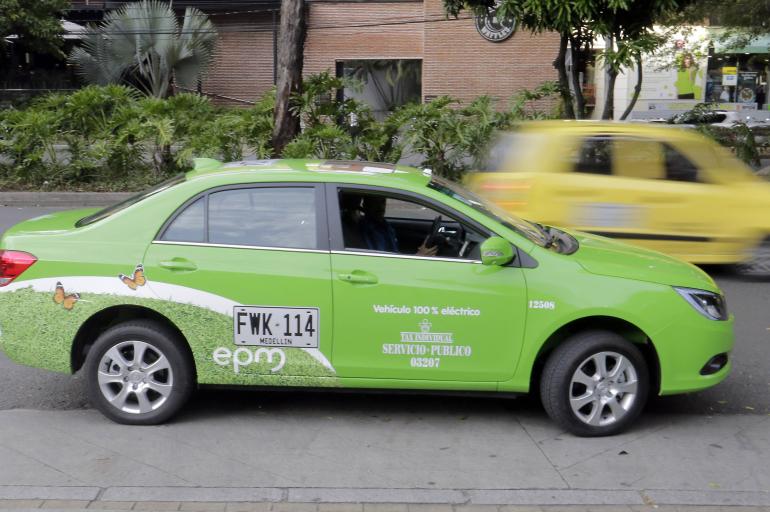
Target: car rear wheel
[595, 384]
[759, 264]
[138, 373]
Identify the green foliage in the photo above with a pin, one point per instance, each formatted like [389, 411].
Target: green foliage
[342, 128]
[452, 139]
[142, 43]
[114, 138]
[701, 113]
[740, 17]
[740, 138]
[35, 22]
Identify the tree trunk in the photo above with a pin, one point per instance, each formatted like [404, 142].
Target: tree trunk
[577, 87]
[609, 99]
[291, 42]
[561, 67]
[637, 89]
[609, 93]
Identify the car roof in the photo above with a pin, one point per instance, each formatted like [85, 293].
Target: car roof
[610, 127]
[355, 171]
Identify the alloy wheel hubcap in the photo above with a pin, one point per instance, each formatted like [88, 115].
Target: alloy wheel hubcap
[135, 377]
[603, 388]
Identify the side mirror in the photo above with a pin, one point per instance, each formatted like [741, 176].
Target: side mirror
[496, 251]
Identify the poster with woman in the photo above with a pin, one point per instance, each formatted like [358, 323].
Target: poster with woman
[689, 77]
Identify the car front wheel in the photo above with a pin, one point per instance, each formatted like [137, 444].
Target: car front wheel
[758, 266]
[595, 384]
[138, 373]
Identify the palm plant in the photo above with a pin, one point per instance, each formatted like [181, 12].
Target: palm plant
[143, 44]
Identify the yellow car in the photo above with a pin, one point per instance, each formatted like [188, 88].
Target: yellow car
[664, 188]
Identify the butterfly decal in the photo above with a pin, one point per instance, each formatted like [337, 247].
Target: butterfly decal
[68, 301]
[137, 278]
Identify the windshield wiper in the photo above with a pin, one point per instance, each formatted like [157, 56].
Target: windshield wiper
[548, 235]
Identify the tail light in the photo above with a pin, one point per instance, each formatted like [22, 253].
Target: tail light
[13, 264]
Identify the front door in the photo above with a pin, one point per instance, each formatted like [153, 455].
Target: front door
[244, 272]
[412, 301]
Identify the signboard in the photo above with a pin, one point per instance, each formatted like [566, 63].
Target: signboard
[674, 75]
[495, 28]
[684, 82]
[729, 75]
[747, 87]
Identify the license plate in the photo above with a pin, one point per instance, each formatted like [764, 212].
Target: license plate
[275, 326]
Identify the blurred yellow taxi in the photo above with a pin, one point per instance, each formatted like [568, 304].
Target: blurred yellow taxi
[664, 188]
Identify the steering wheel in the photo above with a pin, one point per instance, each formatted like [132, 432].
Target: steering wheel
[435, 238]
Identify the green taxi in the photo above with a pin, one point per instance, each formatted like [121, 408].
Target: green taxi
[351, 275]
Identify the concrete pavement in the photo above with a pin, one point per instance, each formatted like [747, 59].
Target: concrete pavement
[347, 455]
[90, 506]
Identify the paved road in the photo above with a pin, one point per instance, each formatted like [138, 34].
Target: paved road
[746, 391]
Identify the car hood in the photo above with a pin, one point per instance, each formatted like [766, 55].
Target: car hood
[51, 222]
[607, 257]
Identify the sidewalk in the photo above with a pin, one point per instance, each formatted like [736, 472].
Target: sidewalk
[305, 458]
[86, 506]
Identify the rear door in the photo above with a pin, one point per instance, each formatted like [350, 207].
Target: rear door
[254, 262]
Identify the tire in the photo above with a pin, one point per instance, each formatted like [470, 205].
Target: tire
[579, 397]
[148, 393]
[758, 266]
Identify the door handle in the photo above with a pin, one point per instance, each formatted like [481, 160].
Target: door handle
[179, 264]
[358, 277]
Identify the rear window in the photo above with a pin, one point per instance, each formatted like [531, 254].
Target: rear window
[514, 152]
[106, 212]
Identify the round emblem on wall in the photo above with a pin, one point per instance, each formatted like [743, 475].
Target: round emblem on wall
[494, 28]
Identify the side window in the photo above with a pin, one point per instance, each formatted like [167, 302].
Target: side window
[377, 222]
[265, 217]
[638, 158]
[188, 226]
[680, 168]
[397, 208]
[594, 156]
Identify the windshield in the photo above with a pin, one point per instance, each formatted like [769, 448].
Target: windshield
[106, 212]
[521, 226]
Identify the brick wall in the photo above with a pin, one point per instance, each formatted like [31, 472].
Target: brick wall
[457, 61]
[398, 38]
[242, 67]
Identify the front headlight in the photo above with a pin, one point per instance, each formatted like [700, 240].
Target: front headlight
[709, 304]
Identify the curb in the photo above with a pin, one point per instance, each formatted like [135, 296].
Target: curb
[440, 497]
[62, 199]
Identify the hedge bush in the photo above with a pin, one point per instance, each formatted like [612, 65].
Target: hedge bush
[113, 138]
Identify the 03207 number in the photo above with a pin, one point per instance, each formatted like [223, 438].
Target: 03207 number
[424, 362]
